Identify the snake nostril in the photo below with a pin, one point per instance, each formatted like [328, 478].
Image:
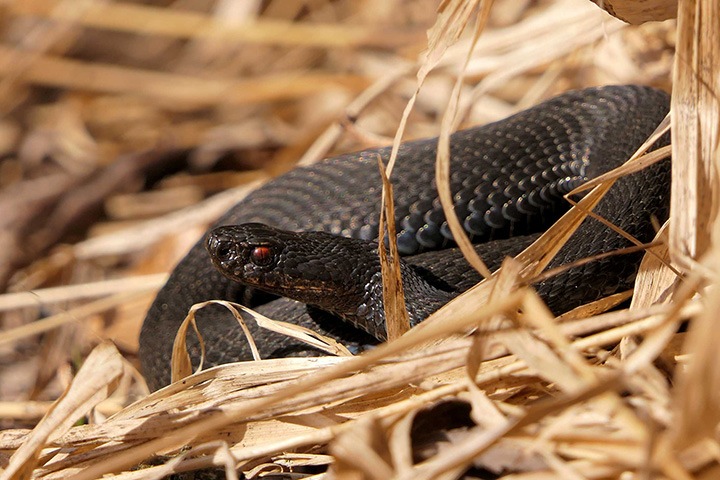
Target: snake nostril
[224, 250]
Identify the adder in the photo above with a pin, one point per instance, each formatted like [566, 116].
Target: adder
[508, 180]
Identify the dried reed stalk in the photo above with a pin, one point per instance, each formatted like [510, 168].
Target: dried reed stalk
[637, 12]
[583, 396]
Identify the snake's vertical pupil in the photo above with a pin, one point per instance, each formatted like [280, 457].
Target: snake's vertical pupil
[261, 255]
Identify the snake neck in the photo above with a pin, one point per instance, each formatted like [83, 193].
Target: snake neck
[422, 298]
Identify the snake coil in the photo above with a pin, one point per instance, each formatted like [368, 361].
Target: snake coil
[508, 179]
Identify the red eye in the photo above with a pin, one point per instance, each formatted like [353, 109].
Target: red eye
[261, 256]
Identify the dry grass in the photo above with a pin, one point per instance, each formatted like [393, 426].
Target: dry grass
[101, 96]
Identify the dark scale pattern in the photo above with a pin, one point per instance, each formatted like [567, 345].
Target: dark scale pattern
[525, 164]
[507, 179]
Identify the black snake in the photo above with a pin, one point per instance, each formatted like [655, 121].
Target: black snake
[508, 179]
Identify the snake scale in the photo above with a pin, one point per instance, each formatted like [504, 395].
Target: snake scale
[508, 179]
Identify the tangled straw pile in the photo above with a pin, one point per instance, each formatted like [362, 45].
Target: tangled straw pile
[105, 101]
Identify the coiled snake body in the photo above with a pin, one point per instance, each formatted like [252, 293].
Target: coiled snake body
[508, 179]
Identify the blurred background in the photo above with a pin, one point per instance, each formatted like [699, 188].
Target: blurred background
[127, 127]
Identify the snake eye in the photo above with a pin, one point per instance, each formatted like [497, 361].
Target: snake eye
[261, 256]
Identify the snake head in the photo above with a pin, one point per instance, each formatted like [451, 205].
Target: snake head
[335, 273]
[247, 253]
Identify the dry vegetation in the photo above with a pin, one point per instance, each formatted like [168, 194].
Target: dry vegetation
[129, 126]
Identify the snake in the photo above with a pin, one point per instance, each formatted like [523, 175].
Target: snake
[303, 247]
